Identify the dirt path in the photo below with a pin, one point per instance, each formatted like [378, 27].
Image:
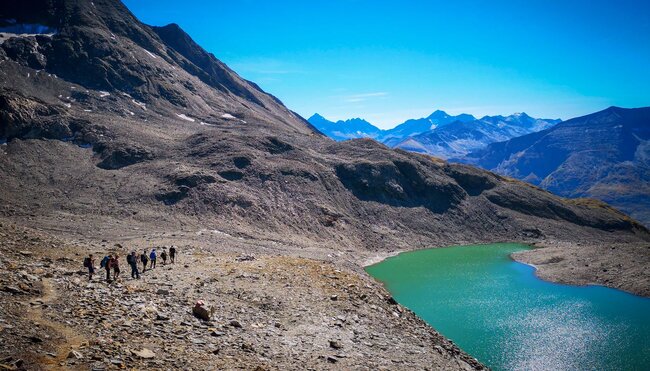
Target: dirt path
[67, 338]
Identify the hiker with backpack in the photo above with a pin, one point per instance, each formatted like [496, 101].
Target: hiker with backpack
[172, 254]
[89, 262]
[132, 260]
[144, 259]
[163, 255]
[152, 257]
[106, 264]
[115, 264]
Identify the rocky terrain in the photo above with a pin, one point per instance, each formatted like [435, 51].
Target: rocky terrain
[117, 136]
[272, 309]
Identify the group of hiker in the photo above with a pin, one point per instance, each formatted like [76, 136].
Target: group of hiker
[112, 262]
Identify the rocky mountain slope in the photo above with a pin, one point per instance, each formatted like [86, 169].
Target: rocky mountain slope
[604, 155]
[118, 136]
[460, 138]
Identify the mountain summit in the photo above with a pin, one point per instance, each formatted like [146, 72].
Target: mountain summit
[100, 45]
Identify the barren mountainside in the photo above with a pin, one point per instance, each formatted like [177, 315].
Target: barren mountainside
[173, 131]
[118, 135]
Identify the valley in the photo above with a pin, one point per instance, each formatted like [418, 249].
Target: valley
[117, 136]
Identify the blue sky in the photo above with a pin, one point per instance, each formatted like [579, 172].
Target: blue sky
[387, 61]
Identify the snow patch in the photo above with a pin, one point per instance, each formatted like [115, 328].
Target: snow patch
[68, 105]
[104, 94]
[218, 232]
[184, 117]
[151, 54]
[228, 116]
[139, 104]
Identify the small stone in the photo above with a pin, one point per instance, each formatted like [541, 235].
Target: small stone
[217, 333]
[334, 297]
[162, 292]
[162, 317]
[335, 344]
[12, 289]
[145, 353]
[74, 354]
[35, 339]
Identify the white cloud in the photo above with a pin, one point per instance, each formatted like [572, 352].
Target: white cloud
[354, 98]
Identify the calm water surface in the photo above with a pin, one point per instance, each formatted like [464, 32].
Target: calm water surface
[500, 313]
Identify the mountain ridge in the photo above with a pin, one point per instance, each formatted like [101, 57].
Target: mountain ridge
[600, 155]
[439, 134]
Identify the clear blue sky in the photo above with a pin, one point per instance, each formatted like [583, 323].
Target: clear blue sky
[387, 61]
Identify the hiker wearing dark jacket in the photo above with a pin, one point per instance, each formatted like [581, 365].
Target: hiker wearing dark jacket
[133, 262]
[152, 257]
[115, 264]
[107, 265]
[89, 263]
[144, 259]
[172, 254]
[163, 255]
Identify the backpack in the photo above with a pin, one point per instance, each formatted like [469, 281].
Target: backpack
[87, 262]
[143, 258]
[129, 259]
[104, 262]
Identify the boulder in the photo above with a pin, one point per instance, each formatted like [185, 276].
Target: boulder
[200, 311]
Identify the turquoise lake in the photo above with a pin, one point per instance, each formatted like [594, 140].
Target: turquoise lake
[498, 311]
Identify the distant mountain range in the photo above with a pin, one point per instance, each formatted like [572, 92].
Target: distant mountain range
[605, 155]
[439, 134]
[436, 120]
[343, 130]
[461, 138]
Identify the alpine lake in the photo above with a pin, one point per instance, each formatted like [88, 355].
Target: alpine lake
[498, 311]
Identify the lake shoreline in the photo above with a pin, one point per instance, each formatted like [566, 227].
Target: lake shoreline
[425, 282]
[569, 263]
